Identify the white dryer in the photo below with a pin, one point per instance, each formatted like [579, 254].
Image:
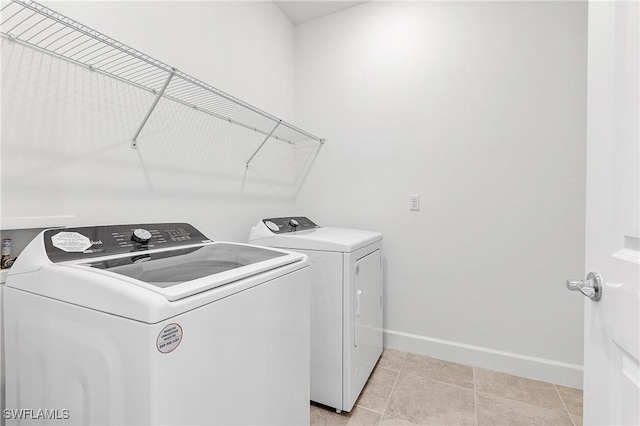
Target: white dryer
[346, 302]
[155, 324]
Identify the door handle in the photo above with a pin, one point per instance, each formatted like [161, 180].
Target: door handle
[358, 301]
[591, 287]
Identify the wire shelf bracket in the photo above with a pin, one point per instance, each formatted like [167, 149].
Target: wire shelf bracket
[262, 144]
[134, 141]
[31, 24]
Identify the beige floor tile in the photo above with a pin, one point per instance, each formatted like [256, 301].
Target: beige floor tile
[376, 392]
[392, 359]
[572, 399]
[441, 371]
[321, 416]
[520, 389]
[426, 402]
[494, 410]
[417, 390]
[392, 421]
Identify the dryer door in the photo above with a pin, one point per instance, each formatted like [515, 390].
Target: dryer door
[366, 311]
[368, 301]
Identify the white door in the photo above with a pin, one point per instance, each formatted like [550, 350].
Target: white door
[612, 324]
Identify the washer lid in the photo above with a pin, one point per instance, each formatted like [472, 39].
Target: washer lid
[173, 260]
[323, 239]
[147, 281]
[169, 282]
[183, 272]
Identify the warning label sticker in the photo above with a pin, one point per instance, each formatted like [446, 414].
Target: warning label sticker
[169, 338]
[71, 241]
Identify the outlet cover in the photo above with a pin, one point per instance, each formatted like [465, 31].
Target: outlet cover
[414, 202]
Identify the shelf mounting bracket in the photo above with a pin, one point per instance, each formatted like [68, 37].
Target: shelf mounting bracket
[263, 142]
[134, 142]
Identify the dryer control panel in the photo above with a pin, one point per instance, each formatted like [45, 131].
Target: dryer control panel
[282, 225]
[67, 244]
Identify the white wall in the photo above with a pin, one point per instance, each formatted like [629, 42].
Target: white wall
[480, 108]
[66, 131]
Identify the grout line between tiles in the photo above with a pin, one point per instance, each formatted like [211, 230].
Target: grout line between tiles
[573, 422]
[566, 409]
[393, 388]
[439, 381]
[540, 407]
[442, 383]
[560, 409]
[377, 367]
[368, 409]
[475, 394]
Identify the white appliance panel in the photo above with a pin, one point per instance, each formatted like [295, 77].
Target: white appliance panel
[311, 236]
[62, 356]
[105, 369]
[339, 368]
[368, 300]
[91, 340]
[326, 326]
[2, 369]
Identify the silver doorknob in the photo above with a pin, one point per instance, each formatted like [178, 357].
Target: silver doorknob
[591, 287]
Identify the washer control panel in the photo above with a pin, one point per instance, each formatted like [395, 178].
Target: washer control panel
[67, 244]
[282, 225]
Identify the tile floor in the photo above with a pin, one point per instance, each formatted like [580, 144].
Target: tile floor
[408, 389]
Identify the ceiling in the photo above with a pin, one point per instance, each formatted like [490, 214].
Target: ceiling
[299, 11]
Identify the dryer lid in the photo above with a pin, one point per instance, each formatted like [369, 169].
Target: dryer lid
[323, 239]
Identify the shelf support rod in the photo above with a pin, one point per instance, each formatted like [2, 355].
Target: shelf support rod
[134, 142]
[263, 142]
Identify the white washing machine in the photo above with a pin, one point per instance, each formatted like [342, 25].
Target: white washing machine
[155, 324]
[346, 302]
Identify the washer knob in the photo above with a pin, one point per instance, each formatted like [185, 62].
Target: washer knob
[141, 236]
[294, 223]
[272, 226]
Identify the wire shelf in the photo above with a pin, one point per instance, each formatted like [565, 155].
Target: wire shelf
[32, 24]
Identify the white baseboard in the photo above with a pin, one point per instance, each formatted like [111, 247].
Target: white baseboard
[542, 369]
